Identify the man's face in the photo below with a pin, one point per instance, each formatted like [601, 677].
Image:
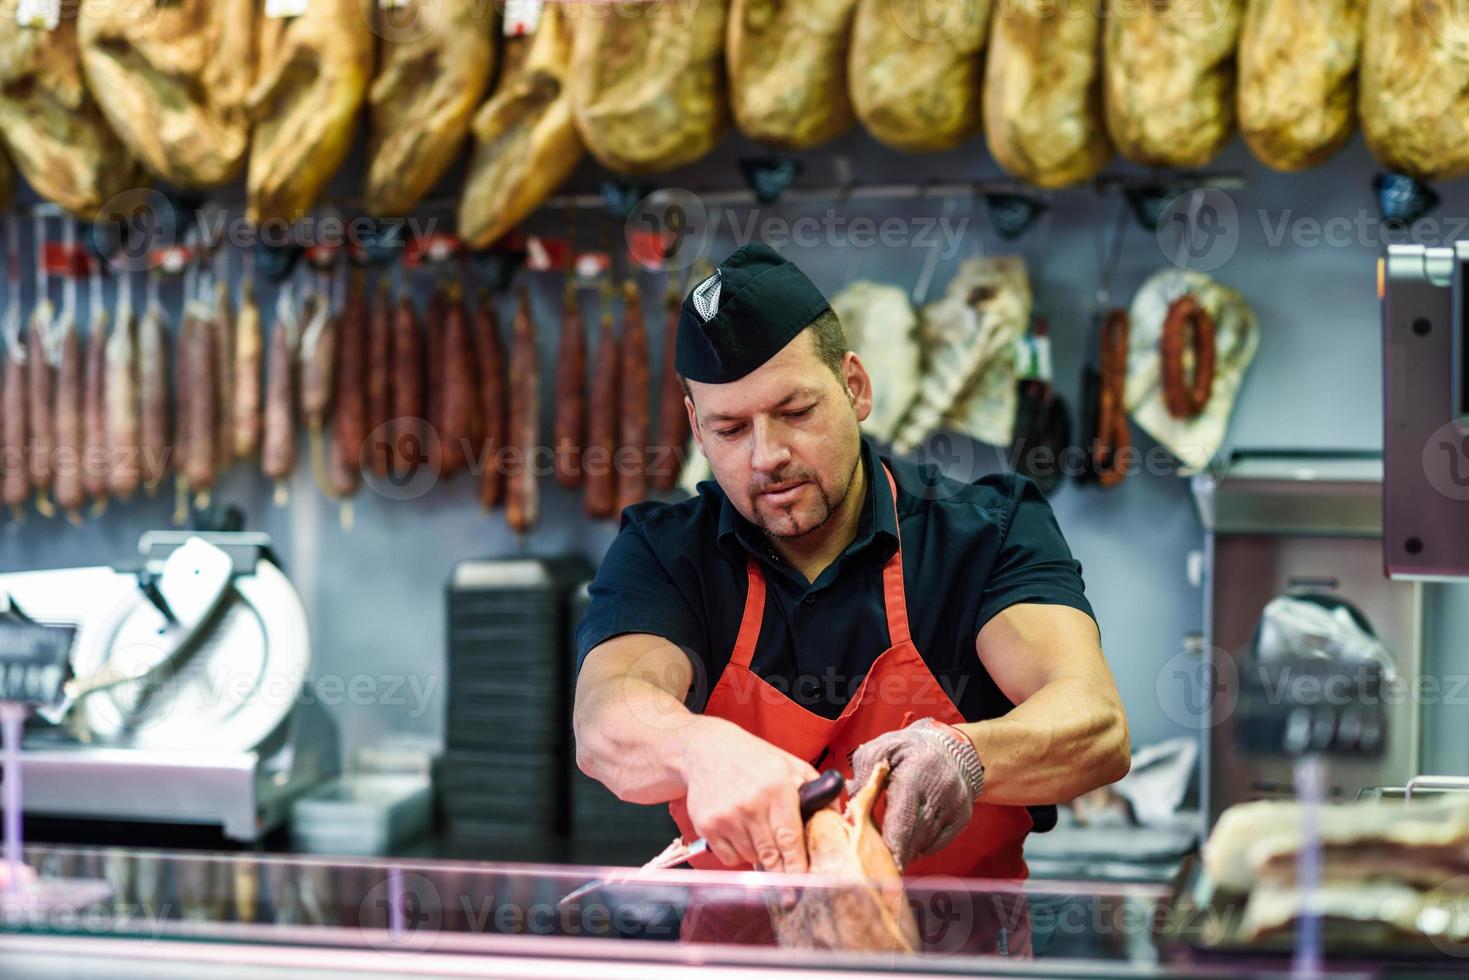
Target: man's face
[783, 441]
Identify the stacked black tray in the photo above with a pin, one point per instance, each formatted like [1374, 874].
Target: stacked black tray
[507, 736]
[605, 830]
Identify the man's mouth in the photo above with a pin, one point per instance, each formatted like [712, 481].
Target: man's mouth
[783, 493]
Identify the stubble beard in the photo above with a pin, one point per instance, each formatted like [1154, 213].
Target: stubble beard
[830, 505]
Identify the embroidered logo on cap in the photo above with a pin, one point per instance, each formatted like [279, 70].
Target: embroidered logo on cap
[706, 297]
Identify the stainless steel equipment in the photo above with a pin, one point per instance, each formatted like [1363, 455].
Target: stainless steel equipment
[189, 703]
[1279, 523]
[1425, 358]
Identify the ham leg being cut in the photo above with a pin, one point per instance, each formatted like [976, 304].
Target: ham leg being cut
[869, 914]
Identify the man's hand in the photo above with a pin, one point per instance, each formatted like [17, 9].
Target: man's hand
[930, 797]
[742, 797]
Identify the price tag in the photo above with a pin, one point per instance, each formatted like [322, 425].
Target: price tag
[42, 15]
[522, 17]
[281, 9]
[33, 661]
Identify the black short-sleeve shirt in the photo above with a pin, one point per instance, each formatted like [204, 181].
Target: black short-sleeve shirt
[969, 551]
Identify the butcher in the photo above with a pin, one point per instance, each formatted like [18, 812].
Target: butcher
[818, 605]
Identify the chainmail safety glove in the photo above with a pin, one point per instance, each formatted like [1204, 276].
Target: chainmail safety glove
[936, 777]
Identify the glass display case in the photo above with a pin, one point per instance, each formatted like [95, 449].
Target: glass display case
[247, 915]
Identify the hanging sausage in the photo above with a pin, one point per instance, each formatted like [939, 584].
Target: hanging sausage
[278, 438]
[673, 416]
[600, 459]
[379, 372]
[248, 352]
[571, 386]
[523, 505]
[632, 451]
[492, 392]
[97, 461]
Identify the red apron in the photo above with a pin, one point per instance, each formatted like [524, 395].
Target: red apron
[898, 689]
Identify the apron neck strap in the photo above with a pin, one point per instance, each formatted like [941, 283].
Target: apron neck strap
[895, 599]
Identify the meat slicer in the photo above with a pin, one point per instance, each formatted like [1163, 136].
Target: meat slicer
[188, 701]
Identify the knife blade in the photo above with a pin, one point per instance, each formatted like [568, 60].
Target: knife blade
[813, 796]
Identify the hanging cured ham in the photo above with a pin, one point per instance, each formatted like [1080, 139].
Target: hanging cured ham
[437, 59]
[788, 69]
[648, 82]
[172, 79]
[55, 132]
[313, 76]
[525, 138]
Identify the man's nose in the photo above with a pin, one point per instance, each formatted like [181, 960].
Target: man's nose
[770, 451]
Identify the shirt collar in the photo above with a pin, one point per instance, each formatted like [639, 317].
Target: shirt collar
[877, 525]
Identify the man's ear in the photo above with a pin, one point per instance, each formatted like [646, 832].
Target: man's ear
[859, 383]
[688, 404]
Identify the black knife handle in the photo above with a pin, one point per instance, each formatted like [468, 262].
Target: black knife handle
[820, 791]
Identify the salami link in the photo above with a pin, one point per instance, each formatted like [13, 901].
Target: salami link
[122, 406]
[408, 423]
[1113, 436]
[632, 452]
[278, 439]
[571, 401]
[434, 382]
[1186, 399]
[222, 346]
[40, 382]
[457, 421]
[523, 505]
[245, 403]
[152, 375]
[379, 371]
[197, 353]
[492, 390]
[673, 417]
[70, 493]
[16, 486]
[318, 365]
[349, 414]
[602, 430]
[96, 460]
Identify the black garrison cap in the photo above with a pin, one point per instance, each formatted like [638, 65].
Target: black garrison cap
[741, 316]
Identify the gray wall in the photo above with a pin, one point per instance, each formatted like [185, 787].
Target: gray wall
[375, 594]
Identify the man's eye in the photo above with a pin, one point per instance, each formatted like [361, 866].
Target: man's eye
[802, 413]
[729, 433]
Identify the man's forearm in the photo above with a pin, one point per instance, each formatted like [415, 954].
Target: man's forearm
[633, 738]
[1059, 743]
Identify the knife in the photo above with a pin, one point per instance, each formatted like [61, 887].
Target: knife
[813, 796]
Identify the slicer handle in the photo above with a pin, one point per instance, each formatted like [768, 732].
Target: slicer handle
[148, 583]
